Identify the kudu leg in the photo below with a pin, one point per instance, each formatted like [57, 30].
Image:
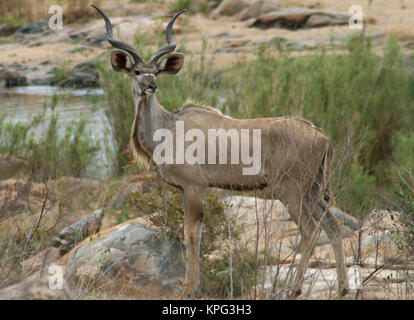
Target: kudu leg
[193, 207]
[309, 235]
[333, 229]
[299, 211]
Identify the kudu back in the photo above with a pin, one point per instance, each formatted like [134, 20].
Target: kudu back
[291, 158]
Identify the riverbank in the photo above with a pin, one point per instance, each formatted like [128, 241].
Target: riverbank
[55, 129]
[34, 55]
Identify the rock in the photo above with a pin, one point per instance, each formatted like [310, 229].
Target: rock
[228, 8]
[7, 30]
[242, 212]
[32, 28]
[40, 76]
[47, 37]
[259, 8]
[12, 77]
[374, 240]
[294, 18]
[316, 281]
[126, 28]
[225, 35]
[71, 235]
[320, 20]
[120, 199]
[133, 255]
[281, 235]
[96, 40]
[311, 43]
[35, 289]
[84, 75]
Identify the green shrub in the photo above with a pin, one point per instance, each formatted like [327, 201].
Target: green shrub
[402, 197]
[60, 73]
[49, 155]
[178, 5]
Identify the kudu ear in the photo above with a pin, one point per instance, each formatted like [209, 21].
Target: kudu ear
[171, 64]
[120, 61]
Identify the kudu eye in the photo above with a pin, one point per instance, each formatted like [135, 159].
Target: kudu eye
[137, 72]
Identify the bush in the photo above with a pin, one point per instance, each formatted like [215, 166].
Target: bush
[402, 198]
[178, 5]
[50, 155]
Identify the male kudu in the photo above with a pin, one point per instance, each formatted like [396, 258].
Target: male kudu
[295, 160]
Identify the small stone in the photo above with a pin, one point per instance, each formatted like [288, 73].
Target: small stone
[258, 8]
[134, 254]
[84, 75]
[228, 8]
[7, 30]
[32, 28]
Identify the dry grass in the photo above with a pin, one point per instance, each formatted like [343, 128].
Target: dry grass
[403, 33]
[22, 11]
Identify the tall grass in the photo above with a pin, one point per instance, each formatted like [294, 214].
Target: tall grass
[51, 154]
[15, 12]
[18, 12]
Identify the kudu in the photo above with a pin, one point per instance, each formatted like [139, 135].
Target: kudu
[294, 165]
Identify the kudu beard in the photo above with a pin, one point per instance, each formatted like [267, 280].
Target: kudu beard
[195, 153]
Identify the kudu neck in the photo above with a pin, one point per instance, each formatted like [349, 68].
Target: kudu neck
[147, 107]
[149, 117]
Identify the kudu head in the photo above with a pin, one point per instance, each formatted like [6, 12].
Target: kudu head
[144, 73]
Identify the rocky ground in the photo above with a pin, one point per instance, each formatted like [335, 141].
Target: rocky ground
[102, 258]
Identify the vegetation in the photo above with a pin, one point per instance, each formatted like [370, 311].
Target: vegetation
[60, 73]
[19, 12]
[53, 154]
[363, 101]
[178, 5]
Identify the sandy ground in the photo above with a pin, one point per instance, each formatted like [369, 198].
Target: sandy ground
[387, 16]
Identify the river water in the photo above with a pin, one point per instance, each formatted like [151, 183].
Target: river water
[21, 104]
